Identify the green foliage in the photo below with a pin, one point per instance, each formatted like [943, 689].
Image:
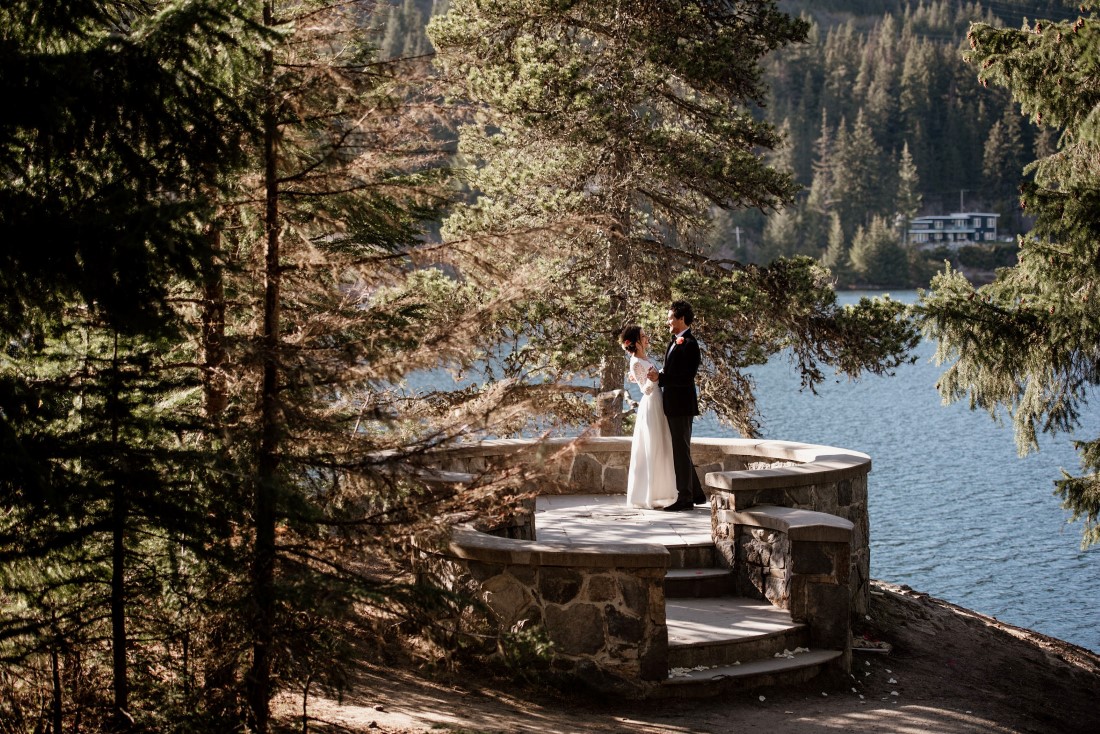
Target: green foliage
[132, 403]
[107, 122]
[987, 257]
[877, 257]
[639, 111]
[109, 476]
[1026, 344]
[747, 315]
[898, 68]
[608, 134]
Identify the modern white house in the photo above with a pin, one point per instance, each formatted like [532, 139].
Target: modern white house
[953, 230]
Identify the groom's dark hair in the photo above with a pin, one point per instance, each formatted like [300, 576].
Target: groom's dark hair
[682, 310]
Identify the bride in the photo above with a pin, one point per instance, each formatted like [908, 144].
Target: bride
[651, 480]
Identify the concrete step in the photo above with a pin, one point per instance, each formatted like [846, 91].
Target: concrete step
[692, 555]
[682, 583]
[726, 630]
[711, 681]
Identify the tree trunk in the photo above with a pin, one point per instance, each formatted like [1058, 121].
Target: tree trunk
[118, 609]
[616, 269]
[55, 669]
[263, 565]
[214, 389]
[119, 510]
[610, 400]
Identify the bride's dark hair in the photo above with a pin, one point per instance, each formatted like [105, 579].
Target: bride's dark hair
[629, 337]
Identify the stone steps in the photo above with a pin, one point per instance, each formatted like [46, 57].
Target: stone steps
[697, 583]
[719, 642]
[782, 671]
[692, 555]
[727, 630]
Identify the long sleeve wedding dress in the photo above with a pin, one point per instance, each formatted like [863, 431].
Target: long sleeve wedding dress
[651, 479]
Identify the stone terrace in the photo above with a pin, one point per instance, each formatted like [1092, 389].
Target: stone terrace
[758, 590]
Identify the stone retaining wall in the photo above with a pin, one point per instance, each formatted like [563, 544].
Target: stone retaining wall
[737, 474]
[798, 561]
[602, 609]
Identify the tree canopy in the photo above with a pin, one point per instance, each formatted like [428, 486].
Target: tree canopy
[1028, 343]
[606, 135]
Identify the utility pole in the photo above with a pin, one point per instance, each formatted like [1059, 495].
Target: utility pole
[961, 192]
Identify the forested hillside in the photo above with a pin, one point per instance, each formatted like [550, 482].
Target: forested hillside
[884, 121]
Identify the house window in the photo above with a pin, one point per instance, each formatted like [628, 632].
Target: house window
[989, 222]
[976, 222]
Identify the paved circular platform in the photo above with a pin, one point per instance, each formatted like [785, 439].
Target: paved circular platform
[605, 519]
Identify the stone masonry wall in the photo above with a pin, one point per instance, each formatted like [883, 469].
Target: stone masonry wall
[601, 620]
[846, 498]
[600, 467]
[807, 578]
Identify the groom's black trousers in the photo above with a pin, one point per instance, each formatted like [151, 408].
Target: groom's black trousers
[688, 488]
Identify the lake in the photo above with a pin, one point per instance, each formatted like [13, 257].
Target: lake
[954, 511]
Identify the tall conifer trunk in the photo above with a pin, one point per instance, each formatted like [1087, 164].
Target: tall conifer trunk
[215, 391]
[118, 563]
[609, 404]
[263, 564]
[55, 702]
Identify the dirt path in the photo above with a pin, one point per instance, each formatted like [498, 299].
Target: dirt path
[950, 670]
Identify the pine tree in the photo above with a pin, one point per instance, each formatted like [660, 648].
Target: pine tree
[835, 257]
[133, 467]
[322, 307]
[1002, 165]
[822, 196]
[624, 124]
[877, 257]
[1026, 344]
[783, 235]
[606, 138]
[907, 201]
[857, 172]
[102, 126]
[106, 176]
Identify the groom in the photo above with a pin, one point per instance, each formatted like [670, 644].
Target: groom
[677, 383]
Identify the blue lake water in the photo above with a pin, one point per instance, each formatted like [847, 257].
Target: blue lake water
[954, 511]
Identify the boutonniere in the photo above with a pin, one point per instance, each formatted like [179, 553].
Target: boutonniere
[679, 340]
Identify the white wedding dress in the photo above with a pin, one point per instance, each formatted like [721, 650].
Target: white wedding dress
[651, 479]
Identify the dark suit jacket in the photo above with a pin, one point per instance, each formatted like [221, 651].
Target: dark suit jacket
[677, 379]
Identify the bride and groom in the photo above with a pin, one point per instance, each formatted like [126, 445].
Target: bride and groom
[661, 474]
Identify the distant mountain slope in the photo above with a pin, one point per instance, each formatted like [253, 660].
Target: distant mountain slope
[1010, 12]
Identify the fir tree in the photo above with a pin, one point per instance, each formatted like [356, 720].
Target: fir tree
[1026, 344]
[835, 257]
[618, 127]
[877, 258]
[907, 201]
[106, 177]
[1002, 165]
[606, 151]
[857, 174]
[104, 125]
